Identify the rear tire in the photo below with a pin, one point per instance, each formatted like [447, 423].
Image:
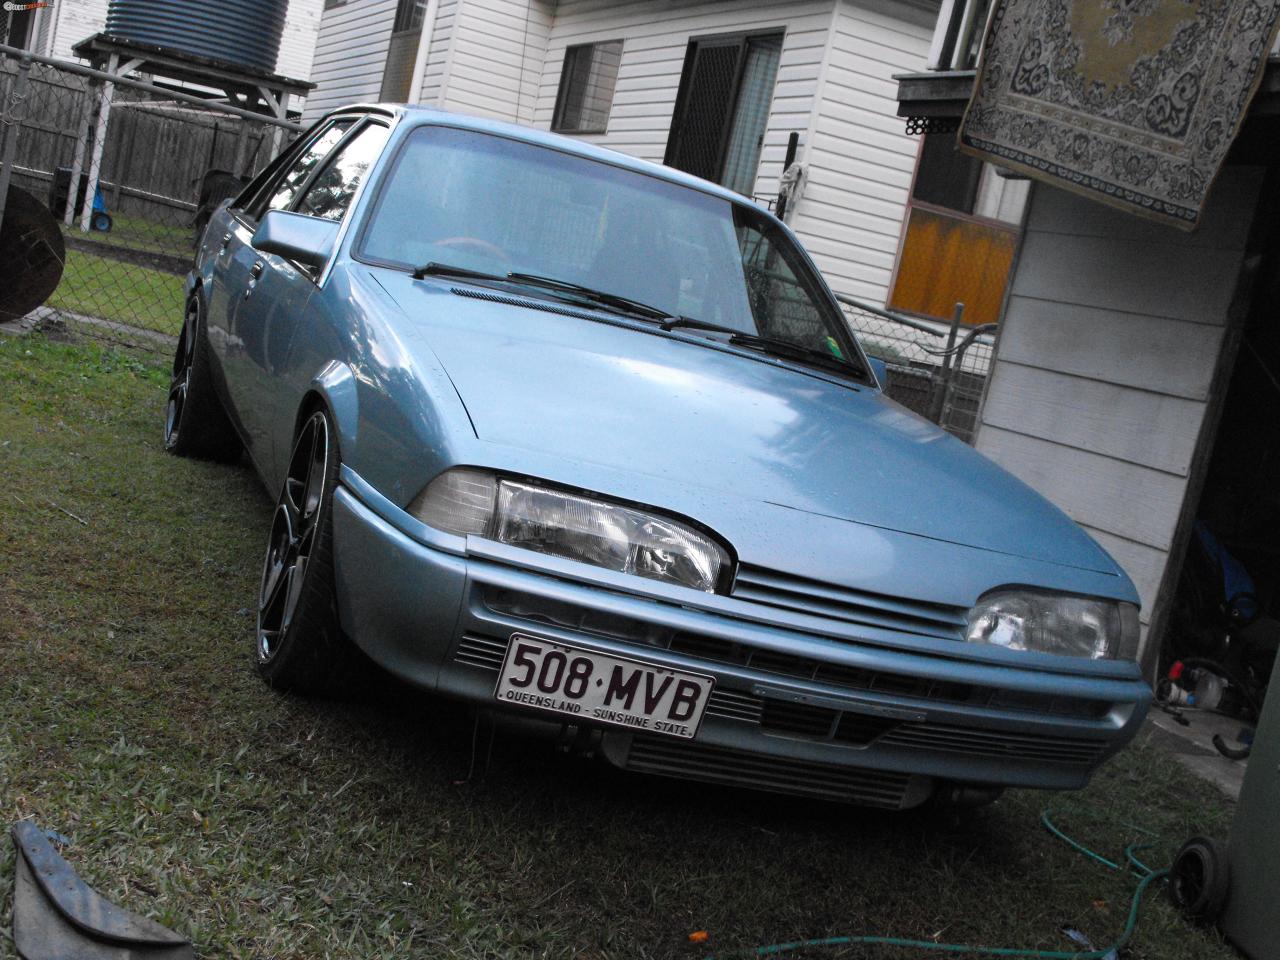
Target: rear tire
[195, 424]
[300, 646]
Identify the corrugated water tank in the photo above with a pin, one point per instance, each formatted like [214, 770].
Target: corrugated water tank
[243, 33]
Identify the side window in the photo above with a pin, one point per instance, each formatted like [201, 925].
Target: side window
[286, 191]
[783, 303]
[331, 191]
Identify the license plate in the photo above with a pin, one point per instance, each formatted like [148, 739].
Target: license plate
[601, 688]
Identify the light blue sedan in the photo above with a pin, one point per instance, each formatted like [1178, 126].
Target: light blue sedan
[585, 442]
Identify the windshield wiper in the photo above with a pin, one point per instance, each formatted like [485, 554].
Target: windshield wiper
[434, 269]
[770, 345]
[600, 297]
[796, 351]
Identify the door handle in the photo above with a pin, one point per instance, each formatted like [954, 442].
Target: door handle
[254, 273]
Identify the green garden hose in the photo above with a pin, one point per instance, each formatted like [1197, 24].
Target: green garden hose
[1148, 877]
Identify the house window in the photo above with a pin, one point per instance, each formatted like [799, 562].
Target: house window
[330, 4]
[960, 235]
[15, 28]
[586, 87]
[722, 109]
[397, 75]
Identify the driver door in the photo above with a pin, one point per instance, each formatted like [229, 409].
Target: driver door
[259, 287]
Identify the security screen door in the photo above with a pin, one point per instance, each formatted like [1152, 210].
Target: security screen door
[722, 109]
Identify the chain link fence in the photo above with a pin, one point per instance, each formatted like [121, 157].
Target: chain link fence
[938, 371]
[131, 171]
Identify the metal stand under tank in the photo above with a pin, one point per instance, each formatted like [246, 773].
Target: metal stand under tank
[247, 88]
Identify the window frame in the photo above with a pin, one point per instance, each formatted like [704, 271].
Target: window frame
[562, 90]
[357, 129]
[248, 204]
[675, 132]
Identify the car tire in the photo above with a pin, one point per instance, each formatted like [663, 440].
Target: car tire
[299, 645]
[195, 424]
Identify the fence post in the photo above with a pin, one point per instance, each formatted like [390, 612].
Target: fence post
[9, 116]
[942, 387]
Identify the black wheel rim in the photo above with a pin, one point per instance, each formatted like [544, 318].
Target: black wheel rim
[293, 531]
[180, 384]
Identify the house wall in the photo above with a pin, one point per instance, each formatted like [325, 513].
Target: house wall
[60, 27]
[351, 51]
[492, 65]
[1106, 359]
[860, 160]
[655, 35]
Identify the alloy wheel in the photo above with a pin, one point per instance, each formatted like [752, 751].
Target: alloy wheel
[293, 534]
[180, 384]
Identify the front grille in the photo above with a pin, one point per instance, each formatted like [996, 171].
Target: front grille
[995, 743]
[695, 761]
[831, 602]
[486, 652]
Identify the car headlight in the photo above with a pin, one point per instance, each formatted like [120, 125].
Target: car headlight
[1055, 623]
[561, 524]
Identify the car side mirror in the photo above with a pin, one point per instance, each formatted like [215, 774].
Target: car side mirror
[881, 370]
[294, 236]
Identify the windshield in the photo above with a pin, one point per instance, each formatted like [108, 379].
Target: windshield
[495, 205]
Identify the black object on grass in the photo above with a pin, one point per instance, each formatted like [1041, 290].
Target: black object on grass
[56, 914]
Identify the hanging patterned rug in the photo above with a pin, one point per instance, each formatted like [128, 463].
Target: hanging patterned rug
[1131, 102]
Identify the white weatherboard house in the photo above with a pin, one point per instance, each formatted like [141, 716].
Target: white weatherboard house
[715, 88]
[52, 31]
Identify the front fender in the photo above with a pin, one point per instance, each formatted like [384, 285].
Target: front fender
[335, 384]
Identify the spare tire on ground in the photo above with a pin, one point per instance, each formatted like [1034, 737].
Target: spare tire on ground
[32, 255]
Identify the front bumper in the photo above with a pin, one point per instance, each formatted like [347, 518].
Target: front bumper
[793, 710]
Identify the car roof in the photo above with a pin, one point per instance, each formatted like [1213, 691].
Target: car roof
[425, 116]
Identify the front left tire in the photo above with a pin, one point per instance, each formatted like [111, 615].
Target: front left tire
[300, 645]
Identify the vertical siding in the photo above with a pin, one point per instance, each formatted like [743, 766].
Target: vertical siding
[75, 20]
[351, 51]
[655, 36]
[437, 55]
[298, 45]
[860, 160]
[494, 58]
[1105, 363]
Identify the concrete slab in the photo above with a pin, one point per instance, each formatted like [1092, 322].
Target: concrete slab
[1192, 746]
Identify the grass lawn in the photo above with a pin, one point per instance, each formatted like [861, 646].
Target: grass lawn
[266, 826]
[139, 233]
[124, 292]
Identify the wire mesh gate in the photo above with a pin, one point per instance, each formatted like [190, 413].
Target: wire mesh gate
[940, 374]
[131, 171]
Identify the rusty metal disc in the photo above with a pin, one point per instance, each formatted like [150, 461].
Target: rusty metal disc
[32, 255]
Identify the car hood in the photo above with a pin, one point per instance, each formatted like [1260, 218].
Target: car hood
[684, 412]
